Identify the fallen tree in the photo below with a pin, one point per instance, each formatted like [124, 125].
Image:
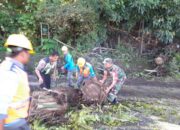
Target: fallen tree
[50, 106]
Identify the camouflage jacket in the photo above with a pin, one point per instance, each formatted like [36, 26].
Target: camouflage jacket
[119, 73]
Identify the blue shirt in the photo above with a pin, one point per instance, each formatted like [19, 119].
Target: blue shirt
[69, 62]
[91, 70]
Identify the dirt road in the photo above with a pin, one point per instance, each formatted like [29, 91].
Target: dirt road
[161, 94]
[153, 89]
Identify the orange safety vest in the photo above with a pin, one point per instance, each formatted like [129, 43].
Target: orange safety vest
[19, 106]
[85, 71]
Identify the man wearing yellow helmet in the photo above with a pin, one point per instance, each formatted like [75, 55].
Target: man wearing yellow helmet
[15, 91]
[85, 71]
[69, 65]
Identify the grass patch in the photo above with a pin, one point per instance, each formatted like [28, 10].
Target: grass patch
[164, 111]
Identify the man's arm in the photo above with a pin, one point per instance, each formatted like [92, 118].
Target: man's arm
[77, 71]
[68, 62]
[115, 79]
[40, 66]
[92, 73]
[38, 74]
[104, 77]
[1, 124]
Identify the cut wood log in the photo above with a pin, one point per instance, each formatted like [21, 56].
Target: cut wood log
[151, 71]
[46, 106]
[93, 92]
[159, 60]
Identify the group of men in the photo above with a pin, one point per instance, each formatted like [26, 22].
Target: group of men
[83, 70]
[15, 91]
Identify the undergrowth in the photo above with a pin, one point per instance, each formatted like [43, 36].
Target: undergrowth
[129, 59]
[174, 66]
[160, 109]
[88, 118]
[112, 116]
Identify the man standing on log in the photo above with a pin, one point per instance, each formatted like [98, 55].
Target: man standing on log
[118, 75]
[15, 91]
[69, 65]
[85, 71]
[45, 69]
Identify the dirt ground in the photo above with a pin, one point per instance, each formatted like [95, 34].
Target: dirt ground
[165, 95]
[140, 88]
[157, 93]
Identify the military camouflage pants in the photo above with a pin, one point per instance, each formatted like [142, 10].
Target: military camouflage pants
[114, 91]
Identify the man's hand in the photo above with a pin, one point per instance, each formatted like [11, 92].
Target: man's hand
[54, 77]
[1, 125]
[107, 90]
[101, 81]
[76, 75]
[95, 79]
[62, 68]
[40, 81]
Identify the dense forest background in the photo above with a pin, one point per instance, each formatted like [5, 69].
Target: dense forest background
[139, 30]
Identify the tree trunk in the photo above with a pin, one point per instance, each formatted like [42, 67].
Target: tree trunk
[73, 34]
[142, 38]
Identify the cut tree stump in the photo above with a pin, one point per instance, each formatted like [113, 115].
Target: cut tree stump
[93, 93]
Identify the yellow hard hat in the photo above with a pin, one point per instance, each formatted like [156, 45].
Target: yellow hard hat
[81, 62]
[64, 48]
[19, 40]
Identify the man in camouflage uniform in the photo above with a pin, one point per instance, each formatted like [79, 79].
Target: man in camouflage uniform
[118, 76]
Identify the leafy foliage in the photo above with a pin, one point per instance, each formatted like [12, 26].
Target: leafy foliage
[87, 118]
[174, 66]
[160, 109]
[49, 46]
[18, 17]
[86, 24]
[161, 17]
[117, 115]
[83, 119]
[72, 19]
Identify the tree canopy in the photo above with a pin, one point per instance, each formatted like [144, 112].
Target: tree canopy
[73, 20]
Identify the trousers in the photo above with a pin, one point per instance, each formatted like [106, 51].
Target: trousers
[112, 95]
[81, 80]
[46, 81]
[21, 124]
[70, 78]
